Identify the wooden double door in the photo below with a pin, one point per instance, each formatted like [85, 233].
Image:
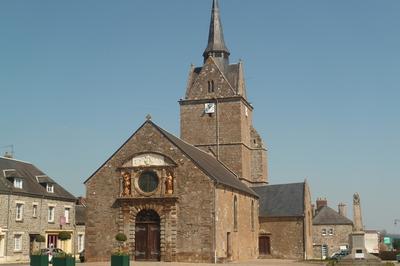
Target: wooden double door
[147, 237]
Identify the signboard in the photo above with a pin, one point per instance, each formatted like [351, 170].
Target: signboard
[62, 220]
[359, 255]
[387, 240]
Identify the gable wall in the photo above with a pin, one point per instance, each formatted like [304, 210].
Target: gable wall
[186, 228]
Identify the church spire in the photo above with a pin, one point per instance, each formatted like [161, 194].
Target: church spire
[216, 45]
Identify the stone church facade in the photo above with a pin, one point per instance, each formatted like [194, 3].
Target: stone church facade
[189, 198]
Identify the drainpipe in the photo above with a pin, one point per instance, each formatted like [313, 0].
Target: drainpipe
[8, 224]
[215, 223]
[217, 125]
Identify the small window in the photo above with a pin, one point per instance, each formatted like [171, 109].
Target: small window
[252, 215]
[81, 242]
[148, 181]
[50, 214]
[235, 214]
[18, 242]
[66, 215]
[211, 86]
[50, 188]
[324, 231]
[330, 231]
[19, 212]
[18, 183]
[34, 210]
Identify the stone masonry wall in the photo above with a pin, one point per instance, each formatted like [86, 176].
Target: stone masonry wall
[340, 237]
[308, 226]
[244, 240]
[32, 225]
[193, 228]
[286, 236]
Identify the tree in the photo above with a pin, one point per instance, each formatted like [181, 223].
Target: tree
[396, 243]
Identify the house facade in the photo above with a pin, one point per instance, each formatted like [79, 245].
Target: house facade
[331, 229]
[31, 204]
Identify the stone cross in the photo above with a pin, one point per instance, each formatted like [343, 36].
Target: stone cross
[357, 220]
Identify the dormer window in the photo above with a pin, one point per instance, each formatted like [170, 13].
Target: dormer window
[50, 188]
[18, 183]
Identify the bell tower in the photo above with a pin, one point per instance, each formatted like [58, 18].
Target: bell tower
[215, 113]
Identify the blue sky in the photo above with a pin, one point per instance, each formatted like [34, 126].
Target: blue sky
[78, 77]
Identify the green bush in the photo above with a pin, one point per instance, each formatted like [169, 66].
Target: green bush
[64, 235]
[121, 237]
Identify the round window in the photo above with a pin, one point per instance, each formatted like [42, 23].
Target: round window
[148, 181]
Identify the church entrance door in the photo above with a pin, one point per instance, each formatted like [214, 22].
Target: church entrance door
[264, 245]
[147, 236]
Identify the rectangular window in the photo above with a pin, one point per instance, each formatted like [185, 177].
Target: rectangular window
[34, 210]
[81, 242]
[66, 215]
[18, 183]
[330, 231]
[324, 231]
[17, 242]
[19, 212]
[50, 188]
[50, 214]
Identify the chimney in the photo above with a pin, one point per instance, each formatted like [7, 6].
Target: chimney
[321, 202]
[342, 209]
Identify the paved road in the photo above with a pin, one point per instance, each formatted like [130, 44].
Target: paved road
[246, 263]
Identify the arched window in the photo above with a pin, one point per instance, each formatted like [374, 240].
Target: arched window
[211, 86]
[252, 215]
[235, 214]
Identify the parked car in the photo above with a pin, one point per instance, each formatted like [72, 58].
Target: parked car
[82, 256]
[398, 257]
[51, 252]
[340, 254]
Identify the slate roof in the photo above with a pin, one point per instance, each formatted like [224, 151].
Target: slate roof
[216, 40]
[208, 163]
[80, 215]
[31, 176]
[328, 216]
[285, 200]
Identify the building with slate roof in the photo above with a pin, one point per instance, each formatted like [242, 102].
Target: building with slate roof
[331, 229]
[202, 197]
[31, 203]
[285, 221]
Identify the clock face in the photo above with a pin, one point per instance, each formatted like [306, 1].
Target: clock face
[209, 108]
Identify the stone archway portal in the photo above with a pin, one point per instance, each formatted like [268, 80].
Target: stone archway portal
[147, 236]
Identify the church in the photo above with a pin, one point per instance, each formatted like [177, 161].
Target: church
[195, 198]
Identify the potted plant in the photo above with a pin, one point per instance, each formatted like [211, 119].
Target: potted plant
[120, 257]
[63, 259]
[37, 257]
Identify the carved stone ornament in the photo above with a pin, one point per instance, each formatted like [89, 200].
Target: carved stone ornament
[356, 199]
[126, 184]
[169, 184]
[147, 159]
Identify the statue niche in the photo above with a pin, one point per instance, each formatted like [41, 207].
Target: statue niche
[169, 184]
[126, 184]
